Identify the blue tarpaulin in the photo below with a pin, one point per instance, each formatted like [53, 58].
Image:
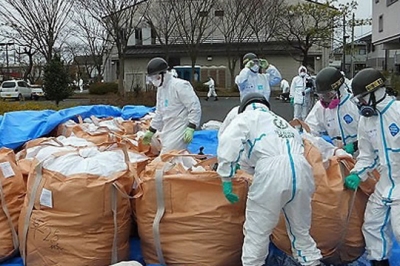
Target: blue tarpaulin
[16, 128]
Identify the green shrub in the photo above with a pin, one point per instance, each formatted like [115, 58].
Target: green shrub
[199, 86]
[102, 88]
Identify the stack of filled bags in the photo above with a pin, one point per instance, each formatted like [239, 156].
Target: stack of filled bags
[77, 208]
[182, 215]
[12, 193]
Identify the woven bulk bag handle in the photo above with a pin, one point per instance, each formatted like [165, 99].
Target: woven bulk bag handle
[9, 220]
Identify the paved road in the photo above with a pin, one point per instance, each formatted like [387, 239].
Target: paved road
[217, 110]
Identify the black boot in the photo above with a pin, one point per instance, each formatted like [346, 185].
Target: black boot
[380, 263]
[206, 98]
[216, 99]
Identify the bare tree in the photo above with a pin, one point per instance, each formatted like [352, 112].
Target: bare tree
[307, 25]
[29, 52]
[119, 18]
[194, 24]
[160, 18]
[94, 39]
[232, 22]
[38, 24]
[264, 20]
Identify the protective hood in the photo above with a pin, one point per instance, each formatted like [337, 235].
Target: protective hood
[255, 106]
[302, 68]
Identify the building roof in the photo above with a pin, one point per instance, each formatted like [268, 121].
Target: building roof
[87, 60]
[267, 48]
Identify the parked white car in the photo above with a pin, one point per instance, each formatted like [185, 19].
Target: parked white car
[15, 89]
[37, 92]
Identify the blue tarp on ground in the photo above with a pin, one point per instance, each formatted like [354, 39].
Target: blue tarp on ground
[18, 127]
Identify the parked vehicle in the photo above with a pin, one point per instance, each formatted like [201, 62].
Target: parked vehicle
[15, 89]
[37, 92]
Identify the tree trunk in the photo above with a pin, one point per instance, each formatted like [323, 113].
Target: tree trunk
[28, 71]
[193, 58]
[305, 58]
[121, 72]
[232, 67]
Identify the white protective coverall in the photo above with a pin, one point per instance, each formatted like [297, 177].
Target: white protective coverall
[211, 88]
[177, 106]
[283, 181]
[248, 81]
[340, 123]
[301, 103]
[379, 143]
[285, 86]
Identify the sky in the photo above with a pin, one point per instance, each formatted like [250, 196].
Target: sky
[364, 10]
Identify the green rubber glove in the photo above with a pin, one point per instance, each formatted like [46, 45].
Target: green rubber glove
[349, 148]
[147, 137]
[264, 63]
[250, 64]
[237, 167]
[227, 189]
[188, 135]
[352, 181]
[292, 101]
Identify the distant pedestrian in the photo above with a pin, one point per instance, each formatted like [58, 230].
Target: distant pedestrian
[211, 89]
[81, 85]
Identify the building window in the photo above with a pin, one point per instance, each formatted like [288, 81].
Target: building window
[219, 13]
[362, 52]
[203, 14]
[389, 2]
[380, 25]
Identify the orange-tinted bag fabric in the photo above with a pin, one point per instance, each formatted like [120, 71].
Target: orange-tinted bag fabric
[12, 193]
[87, 223]
[198, 226]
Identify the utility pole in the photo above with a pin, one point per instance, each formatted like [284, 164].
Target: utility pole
[344, 45]
[352, 46]
[6, 45]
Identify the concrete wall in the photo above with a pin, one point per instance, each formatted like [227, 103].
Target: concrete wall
[135, 69]
[391, 20]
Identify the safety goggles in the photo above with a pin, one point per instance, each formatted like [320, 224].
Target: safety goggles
[327, 96]
[359, 100]
[153, 78]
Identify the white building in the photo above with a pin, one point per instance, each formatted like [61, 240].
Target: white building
[386, 33]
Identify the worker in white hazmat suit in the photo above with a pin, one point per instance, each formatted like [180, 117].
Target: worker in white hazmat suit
[378, 143]
[300, 94]
[283, 180]
[211, 89]
[251, 80]
[178, 109]
[334, 114]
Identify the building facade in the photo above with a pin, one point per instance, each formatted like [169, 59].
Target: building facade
[213, 57]
[384, 50]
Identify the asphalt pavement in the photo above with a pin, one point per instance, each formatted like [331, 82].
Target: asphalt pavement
[217, 110]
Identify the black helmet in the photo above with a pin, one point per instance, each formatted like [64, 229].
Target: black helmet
[250, 98]
[328, 79]
[157, 65]
[366, 81]
[249, 56]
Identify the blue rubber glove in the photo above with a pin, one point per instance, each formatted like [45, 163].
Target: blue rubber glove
[292, 101]
[264, 63]
[188, 135]
[227, 189]
[349, 148]
[352, 181]
[147, 137]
